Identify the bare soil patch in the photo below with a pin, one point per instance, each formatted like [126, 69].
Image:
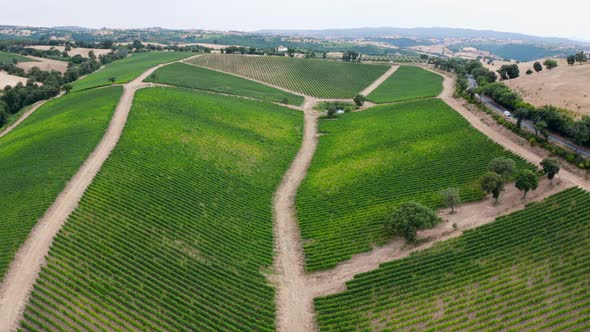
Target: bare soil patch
[7, 79]
[565, 86]
[44, 64]
[74, 51]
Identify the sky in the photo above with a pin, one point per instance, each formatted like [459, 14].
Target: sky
[541, 17]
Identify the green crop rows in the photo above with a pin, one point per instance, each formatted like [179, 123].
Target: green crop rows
[317, 78]
[176, 231]
[40, 156]
[127, 69]
[367, 163]
[7, 58]
[527, 271]
[194, 77]
[406, 83]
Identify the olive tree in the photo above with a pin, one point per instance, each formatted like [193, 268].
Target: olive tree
[451, 198]
[526, 180]
[492, 183]
[502, 166]
[410, 217]
[550, 167]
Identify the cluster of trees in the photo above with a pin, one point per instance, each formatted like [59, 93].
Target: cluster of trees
[19, 96]
[502, 170]
[579, 57]
[351, 56]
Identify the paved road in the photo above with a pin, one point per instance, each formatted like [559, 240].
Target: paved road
[526, 124]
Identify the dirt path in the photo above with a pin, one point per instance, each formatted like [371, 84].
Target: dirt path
[25, 115]
[367, 91]
[467, 217]
[294, 302]
[28, 261]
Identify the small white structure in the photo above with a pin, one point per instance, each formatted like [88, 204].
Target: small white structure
[340, 112]
[282, 48]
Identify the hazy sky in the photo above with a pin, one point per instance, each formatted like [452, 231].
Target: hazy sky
[539, 17]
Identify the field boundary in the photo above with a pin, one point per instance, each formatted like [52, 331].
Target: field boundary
[368, 90]
[31, 256]
[25, 115]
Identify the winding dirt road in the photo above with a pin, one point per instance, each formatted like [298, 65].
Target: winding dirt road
[30, 258]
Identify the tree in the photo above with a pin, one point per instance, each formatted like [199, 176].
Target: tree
[529, 72]
[492, 183]
[508, 72]
[424, 56]
[285, 101]
[550, 167]
[153, 77]
[526, 180]
[520, 114]
[504, 167]
[451, 198]
[67, 88]
[359, 100]
[137, 45]
[550, 64]
[410, 217]
[91, 55]
[112, 80]
[579, 132]
[571, 59]
[581, 57]
[541, 126]
[537, 66]
[349, 56]
[331, 111]
[291, 52]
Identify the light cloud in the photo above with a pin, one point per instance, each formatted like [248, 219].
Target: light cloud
[540, 17]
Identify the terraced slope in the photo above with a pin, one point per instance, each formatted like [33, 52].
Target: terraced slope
[194, 77]
[408, 82]
[527, 271]
[317, 78]
[127, 69]
[176, 231]
[369, 162]
[8, 58]
[39, 157]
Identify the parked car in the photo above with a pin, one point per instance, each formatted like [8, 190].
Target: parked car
[507, 114]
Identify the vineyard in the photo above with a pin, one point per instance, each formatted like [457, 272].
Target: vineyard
[526, 271]
[8, 58]
[317, 78]
[194, 77]
[127, 69]
[407, 83]
[176, 231]
[400, 154]
[39, 157]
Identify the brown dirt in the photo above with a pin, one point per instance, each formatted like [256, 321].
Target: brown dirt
[294, 302]
[30, 258]
[466, 217]
[12, 80]
[565, 86]
[367, 91]
[74, 51]
[44, 64]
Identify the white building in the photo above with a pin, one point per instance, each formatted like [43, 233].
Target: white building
[282, 48]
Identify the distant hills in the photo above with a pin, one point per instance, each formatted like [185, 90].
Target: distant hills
[423, 33]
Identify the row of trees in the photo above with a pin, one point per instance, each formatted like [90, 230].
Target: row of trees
[410, 217]
[579, 57]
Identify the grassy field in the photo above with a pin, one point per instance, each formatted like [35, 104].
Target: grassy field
[127, 69]
[367, 163]
[176, 231]
[318, 78]
[7, 58]
[194, 77]
[407, 83]
[39, 157]
[527, 271]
